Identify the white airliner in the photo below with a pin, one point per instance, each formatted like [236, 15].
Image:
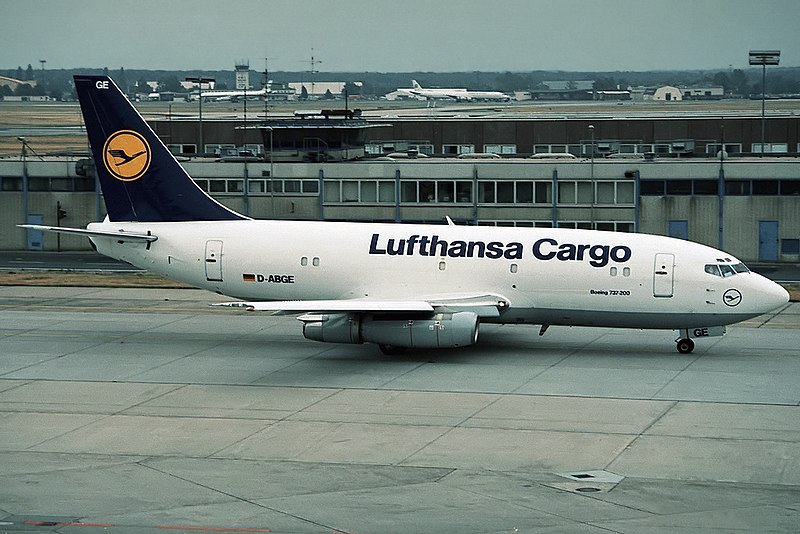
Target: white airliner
[453, 94]
[396, 285]
[223, 95]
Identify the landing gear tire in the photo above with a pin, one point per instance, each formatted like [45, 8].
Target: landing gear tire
[685, 346]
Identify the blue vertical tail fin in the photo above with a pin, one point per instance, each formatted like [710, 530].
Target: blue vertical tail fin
[140, 178]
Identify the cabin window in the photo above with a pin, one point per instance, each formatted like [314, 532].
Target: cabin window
[626, 271]
[613, 271]
[304, 261]
[442, 266]
[315, 262]
[514, 267]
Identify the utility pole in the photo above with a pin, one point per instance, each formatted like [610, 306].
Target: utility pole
[313, 71]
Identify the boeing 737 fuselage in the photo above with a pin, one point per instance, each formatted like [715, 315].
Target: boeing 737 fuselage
[399, 286]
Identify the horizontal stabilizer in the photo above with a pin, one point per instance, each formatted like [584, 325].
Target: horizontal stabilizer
[119, 235]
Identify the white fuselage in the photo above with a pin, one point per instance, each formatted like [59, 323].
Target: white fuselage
[547, 276]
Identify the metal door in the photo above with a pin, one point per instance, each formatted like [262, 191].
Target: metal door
[663, 275]
[34, 237]
[214, 261]
[768, 240]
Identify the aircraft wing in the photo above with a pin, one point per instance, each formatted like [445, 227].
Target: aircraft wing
[119, 235]
[482, 305]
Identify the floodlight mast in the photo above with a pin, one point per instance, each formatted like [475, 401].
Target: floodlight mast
[200, 80]
[764, 58]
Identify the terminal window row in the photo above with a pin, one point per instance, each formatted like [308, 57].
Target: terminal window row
[489, 192]
[569, 192]
[582, 149]
[609, 226]
[711, 187]
[38, 183]
[258, 186]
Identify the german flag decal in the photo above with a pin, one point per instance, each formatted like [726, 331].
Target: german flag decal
[248, 277]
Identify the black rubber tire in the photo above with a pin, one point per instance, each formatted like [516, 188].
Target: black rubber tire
[685, 346]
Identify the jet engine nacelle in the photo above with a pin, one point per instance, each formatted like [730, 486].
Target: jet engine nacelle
[445, 330]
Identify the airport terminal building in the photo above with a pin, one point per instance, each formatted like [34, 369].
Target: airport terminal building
[653, 175]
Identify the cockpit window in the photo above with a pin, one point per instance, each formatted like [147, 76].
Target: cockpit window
[741, 268]
[725, 270]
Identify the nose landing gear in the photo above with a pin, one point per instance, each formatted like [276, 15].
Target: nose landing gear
[684, 342]
[685, 345]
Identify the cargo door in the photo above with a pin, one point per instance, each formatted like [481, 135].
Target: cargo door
[663, 275]
[214, 260]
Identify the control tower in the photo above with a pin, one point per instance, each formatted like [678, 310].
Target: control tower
[242, 75]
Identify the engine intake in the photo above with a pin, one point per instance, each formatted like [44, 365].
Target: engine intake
[440, 331]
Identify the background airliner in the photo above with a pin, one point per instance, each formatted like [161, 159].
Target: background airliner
[224, 95]
[454, 94]
[398, 286]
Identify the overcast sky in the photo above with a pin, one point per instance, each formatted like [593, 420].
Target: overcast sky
[397, 35]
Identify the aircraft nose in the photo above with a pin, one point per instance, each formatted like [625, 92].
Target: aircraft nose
[771, 295]
[781, 296]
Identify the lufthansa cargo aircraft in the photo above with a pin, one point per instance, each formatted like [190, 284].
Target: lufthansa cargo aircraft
[398, 286]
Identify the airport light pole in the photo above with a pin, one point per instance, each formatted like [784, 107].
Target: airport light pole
[24, 157]
[200, 80]
[43, 61]
[764, 58]
[271, 174]
[721, 189]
